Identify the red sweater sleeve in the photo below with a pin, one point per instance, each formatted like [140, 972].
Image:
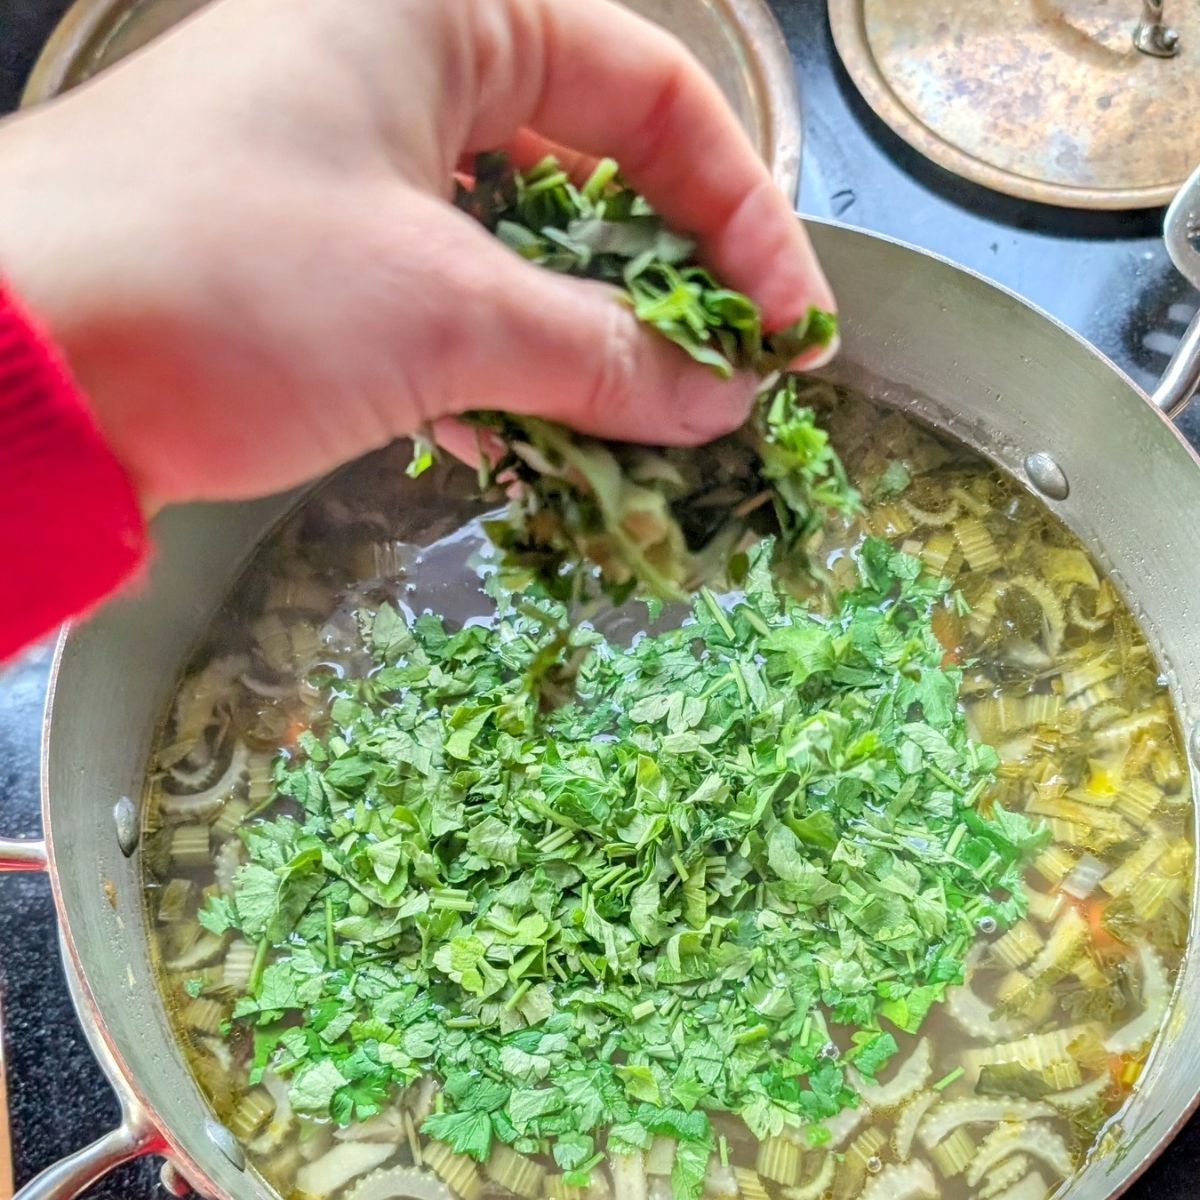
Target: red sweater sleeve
[70, 527]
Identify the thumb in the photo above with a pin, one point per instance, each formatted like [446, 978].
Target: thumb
[517, 337]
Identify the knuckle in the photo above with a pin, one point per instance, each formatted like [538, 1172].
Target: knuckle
[611, 397]
[646, 143]
[504, 50]
[430, 303]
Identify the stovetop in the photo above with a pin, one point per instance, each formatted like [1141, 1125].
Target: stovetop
[1104, 274]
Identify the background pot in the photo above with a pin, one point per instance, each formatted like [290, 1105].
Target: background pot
[739, 42]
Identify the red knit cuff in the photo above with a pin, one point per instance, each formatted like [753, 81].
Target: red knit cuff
[70, 527]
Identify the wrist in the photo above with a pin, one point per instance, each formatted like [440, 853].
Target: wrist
[49, 241]
[28, 199]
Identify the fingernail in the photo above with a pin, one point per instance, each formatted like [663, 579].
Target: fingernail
[822, 356]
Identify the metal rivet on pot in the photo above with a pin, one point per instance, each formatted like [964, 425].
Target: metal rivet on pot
[1047, 476]
[173, 1181]
[126, 817]
[226, 1143]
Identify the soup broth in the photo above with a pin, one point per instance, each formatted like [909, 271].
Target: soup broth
[1013, 1079]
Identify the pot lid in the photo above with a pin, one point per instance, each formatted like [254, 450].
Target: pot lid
[1071, 102]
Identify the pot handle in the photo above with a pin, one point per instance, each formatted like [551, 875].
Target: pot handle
[22, 855]
[1181, 235]
[72, 1175]
[135, 1137]
[1182, 376]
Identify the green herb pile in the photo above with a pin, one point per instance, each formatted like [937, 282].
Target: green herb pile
[660, 520]
[604, 230]
[752, 837]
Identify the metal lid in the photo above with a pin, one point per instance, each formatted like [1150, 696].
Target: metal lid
[1071, 102]
[738, 41]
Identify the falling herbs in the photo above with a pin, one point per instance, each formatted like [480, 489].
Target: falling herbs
[657, 520]
[665, 520]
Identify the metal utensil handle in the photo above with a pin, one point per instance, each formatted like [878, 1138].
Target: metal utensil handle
[1153, 35]
[72, 1175]
[22, 856]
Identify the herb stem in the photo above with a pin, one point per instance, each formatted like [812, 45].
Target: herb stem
[258, 966]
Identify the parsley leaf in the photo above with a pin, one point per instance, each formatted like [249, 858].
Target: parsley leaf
[464, 1132]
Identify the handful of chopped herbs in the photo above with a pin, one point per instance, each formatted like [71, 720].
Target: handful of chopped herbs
[663, 521]
[660, 520]
[752, 840]
[604, 230]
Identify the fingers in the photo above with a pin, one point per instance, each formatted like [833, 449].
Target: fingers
[469, 444]
[526, 149]
[614, 84]
[505, 334]
[776, 292]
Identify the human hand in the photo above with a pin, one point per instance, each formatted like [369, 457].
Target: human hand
[243, 238]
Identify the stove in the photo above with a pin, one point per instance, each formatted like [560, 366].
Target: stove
[1106, 275]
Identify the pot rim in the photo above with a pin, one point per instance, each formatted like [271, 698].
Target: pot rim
[136, 1108]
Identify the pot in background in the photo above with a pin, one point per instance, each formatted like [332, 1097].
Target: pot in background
[738, 42]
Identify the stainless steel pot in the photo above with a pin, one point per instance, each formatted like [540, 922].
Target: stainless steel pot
[738, 42]
[959, 352]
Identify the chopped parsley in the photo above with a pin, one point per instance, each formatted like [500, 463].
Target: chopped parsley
[753, 849]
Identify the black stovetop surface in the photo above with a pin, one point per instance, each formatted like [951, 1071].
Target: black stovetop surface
[1105, 275]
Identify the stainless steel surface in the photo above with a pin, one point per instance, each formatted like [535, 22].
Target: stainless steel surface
[136, 1134]
[1182, 376]
[1181, 230]
[226, 1143]
[94, 34]
[128, 826]
[740, 44]
[77, 1172]
[1153, 35]
[172, 1181]
[1047, 100]
[957, 351]
[97, 890]
[737, 41]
